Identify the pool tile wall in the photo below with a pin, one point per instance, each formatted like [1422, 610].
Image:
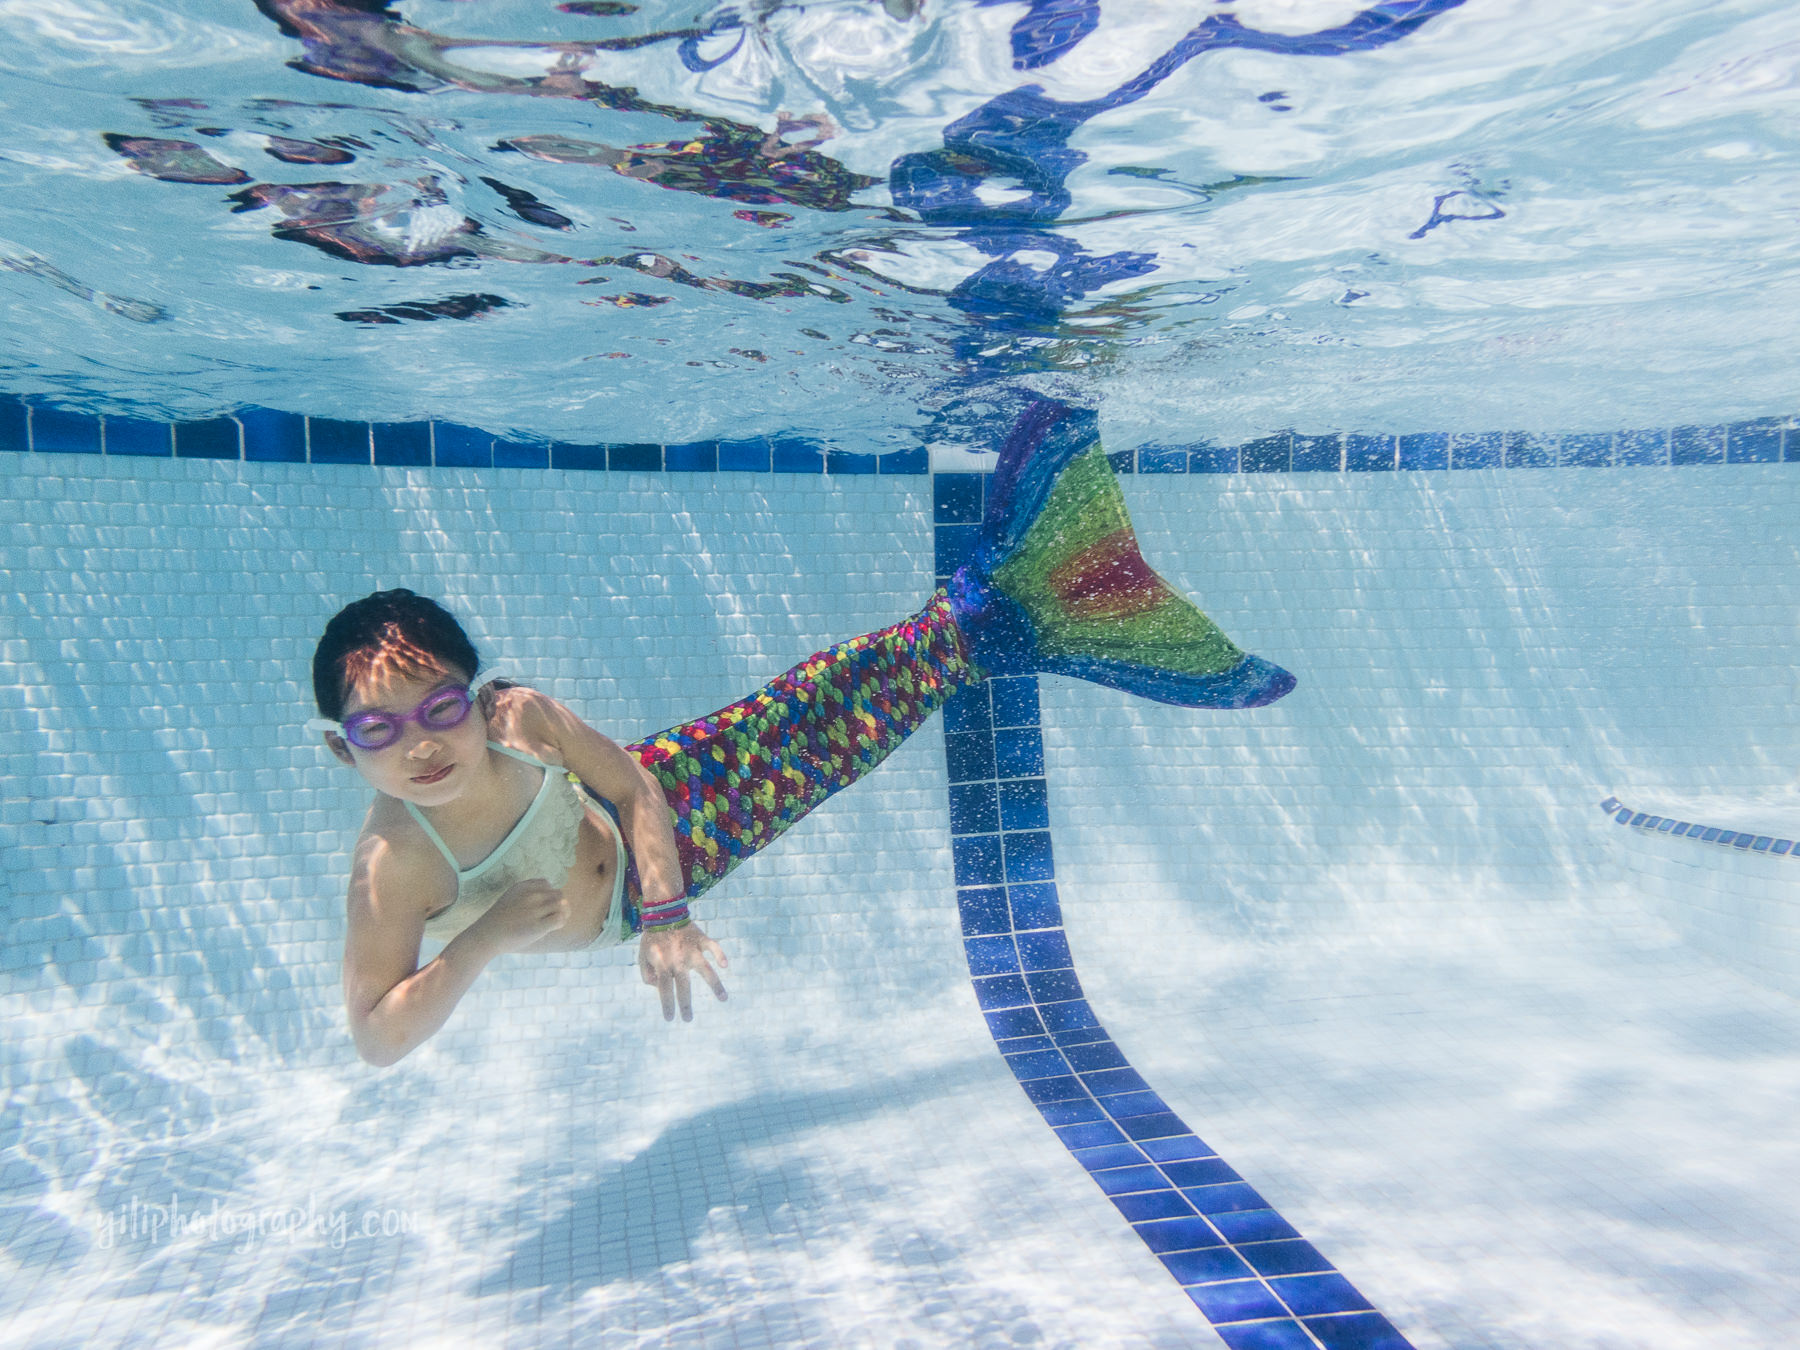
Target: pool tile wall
[1465, 682]
[266, 435]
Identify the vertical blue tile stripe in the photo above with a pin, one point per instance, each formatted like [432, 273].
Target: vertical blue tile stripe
[1245, 1268]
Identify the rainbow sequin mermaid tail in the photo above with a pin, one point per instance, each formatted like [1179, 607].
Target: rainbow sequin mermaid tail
[1056, 584]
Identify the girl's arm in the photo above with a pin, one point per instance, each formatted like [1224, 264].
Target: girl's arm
[665, 958]
[603, 765]
[393, 1004]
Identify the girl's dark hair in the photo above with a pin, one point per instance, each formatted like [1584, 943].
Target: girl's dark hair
[412, 628]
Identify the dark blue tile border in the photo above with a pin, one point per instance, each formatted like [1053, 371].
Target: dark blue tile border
[1748, 840]
[267, 435]
[1246, 1269]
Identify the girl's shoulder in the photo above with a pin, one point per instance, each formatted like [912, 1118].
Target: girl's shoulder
[524, 719]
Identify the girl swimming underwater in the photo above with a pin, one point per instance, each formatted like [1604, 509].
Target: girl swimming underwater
[504, 823]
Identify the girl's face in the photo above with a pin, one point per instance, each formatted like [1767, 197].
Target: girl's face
[427, 766]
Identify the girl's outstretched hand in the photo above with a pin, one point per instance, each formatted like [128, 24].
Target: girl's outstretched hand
[666, 958]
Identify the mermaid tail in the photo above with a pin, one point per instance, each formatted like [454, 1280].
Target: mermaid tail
[1056, 583]
[737, 779]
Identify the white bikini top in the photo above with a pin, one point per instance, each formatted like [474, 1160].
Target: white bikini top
[541, 844]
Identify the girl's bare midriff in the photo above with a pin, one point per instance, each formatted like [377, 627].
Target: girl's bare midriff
[589, 887]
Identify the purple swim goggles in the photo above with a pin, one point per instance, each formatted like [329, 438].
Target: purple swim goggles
[376, 730]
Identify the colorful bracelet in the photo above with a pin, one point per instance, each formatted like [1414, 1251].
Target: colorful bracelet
[669, 914]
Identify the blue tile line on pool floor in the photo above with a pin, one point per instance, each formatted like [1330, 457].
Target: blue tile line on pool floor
[1747, 840]
[266, 435]
[1260, 1284]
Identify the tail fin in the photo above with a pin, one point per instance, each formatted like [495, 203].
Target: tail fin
[1057, 584]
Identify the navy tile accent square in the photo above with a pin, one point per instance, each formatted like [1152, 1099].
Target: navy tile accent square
[1178, 1235]
[1082, 1134]
[1529, 450]
[1078, 1113]
[1236, 1301]
[1472, 451]
[915, 462]
[1326, 1293]
[215, 438]
[1587, 451]
[983, 911]
[273, 437]
[1266, 1336]
[460, 447]
[1019, 752]
[333, 441]
[1108, 1082]
[1369, 454]
[1206, 1266]
[969, 755]
[1253, 1224]
[1314, 454]
[12, 423]
[972, 809]
[68, 433]
[956, 498]
[1122, 461]
[1070, 1015]
[1094, 1055]
[1053, 986]
[1001, 991]
[129, 436]
[969, 711]
[977, 859]
[1048, 950]
[1085, 1134]
[1153, 1127]
[1267, 454]
[1034, 905]
[991, 955]
[1028, 856]
[1032, 1064]
[1014, 1022]
[797, 454]
[637, 457]
[847, 462]
[1292, 1257]
[1151, 1205]
[1081, 1036]
[521, 455]
[1220, 1199]
[1162, 459]
[1130, 1105]
[1111, 1155]
[954, 544]
[1019, 1045]
[1643, 447]
[1697, 445]
[1757, 442]
[1178, 1149]
[1125, 1180]
[1063, 1088]
[693, 457]
[745, 456]
[1357, 1331]
[403, 443]
[1015, 701]
[1200, 1172]
[1425, 450]
[1213, 459]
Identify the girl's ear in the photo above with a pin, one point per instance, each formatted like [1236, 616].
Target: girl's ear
[335, 744]
[485, 701]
